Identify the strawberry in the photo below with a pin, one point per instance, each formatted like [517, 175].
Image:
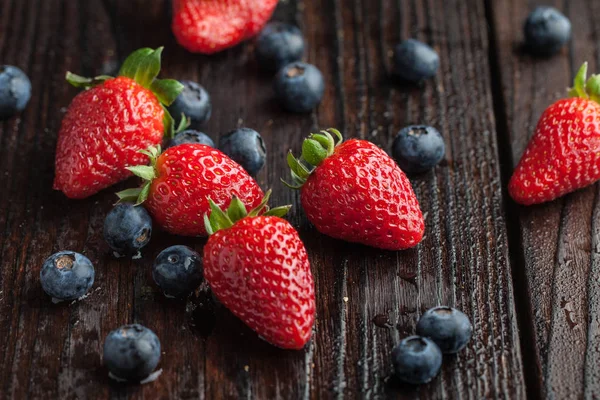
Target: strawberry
[355, 192]
[564, 153]
[210, 26]
[179, 182]
[106, 125]
[257, 266]
[260, 11]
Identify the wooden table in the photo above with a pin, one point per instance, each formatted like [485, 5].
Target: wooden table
[528, 277]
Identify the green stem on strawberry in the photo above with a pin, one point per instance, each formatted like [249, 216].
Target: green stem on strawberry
[315, 149]
[578, 89]
[586, 88]
[82, 82]
[220, 219]
[143, 66]
[593, 88]
[147, 173]
[184, 123]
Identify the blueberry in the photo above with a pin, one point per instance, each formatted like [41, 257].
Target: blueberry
[127, 228]
[449, 328]
[194, 102]
[416, 360]
[279, 44]
[191, 136]
[15, 91]
[131, 352]
[177, 271]
[67, 275]
[546, 31]
[418, 148]
[299, 87]
[246, 147]
[415, 61]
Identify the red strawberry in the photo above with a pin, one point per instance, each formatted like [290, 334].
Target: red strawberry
[258, 268]
[210, 26]
[106, 125]
[356, 192]
[259, 13]
[564, 152]
[180, 181]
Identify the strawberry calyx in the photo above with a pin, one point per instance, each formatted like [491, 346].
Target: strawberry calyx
[147, 173]
[586, 88]
[82, 82]
[143, 66]
[315, 149]
[236, 211]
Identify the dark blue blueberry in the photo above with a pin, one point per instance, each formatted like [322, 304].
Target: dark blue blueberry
[191, 136]
[546, 31]
[415, 61]
[15, 91]
[299, 87]
[131, 352]
[449, 328]
[246, 147]
[67, 275]
[418, 148]
[177, 271]
[194, 102]
[417, 360]
[127, 228]
[279, 44]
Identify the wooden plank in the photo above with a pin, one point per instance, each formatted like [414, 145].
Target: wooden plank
[367, 101]
[557, 241]
[366, 299]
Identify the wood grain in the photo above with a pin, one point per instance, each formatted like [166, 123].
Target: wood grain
[556, 242]
[367, 300]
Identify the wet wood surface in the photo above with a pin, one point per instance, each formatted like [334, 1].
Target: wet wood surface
[527, 277]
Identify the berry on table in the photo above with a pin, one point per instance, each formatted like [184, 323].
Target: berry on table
[179, 182]
[15, 91]
[127, 229]
[546, 30]
[448, 327]
[299, 87]
[415, 61]
[190, 136]
[259, 14]
[108, 123]
[193, 102]
[418, 148]
[131, 352]
[67, 275]
[278, 45]
[177, 271]
[416, 360]
[562, 155]
[257, 266]
[356, 192]
[211, 26]
[246, 147]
